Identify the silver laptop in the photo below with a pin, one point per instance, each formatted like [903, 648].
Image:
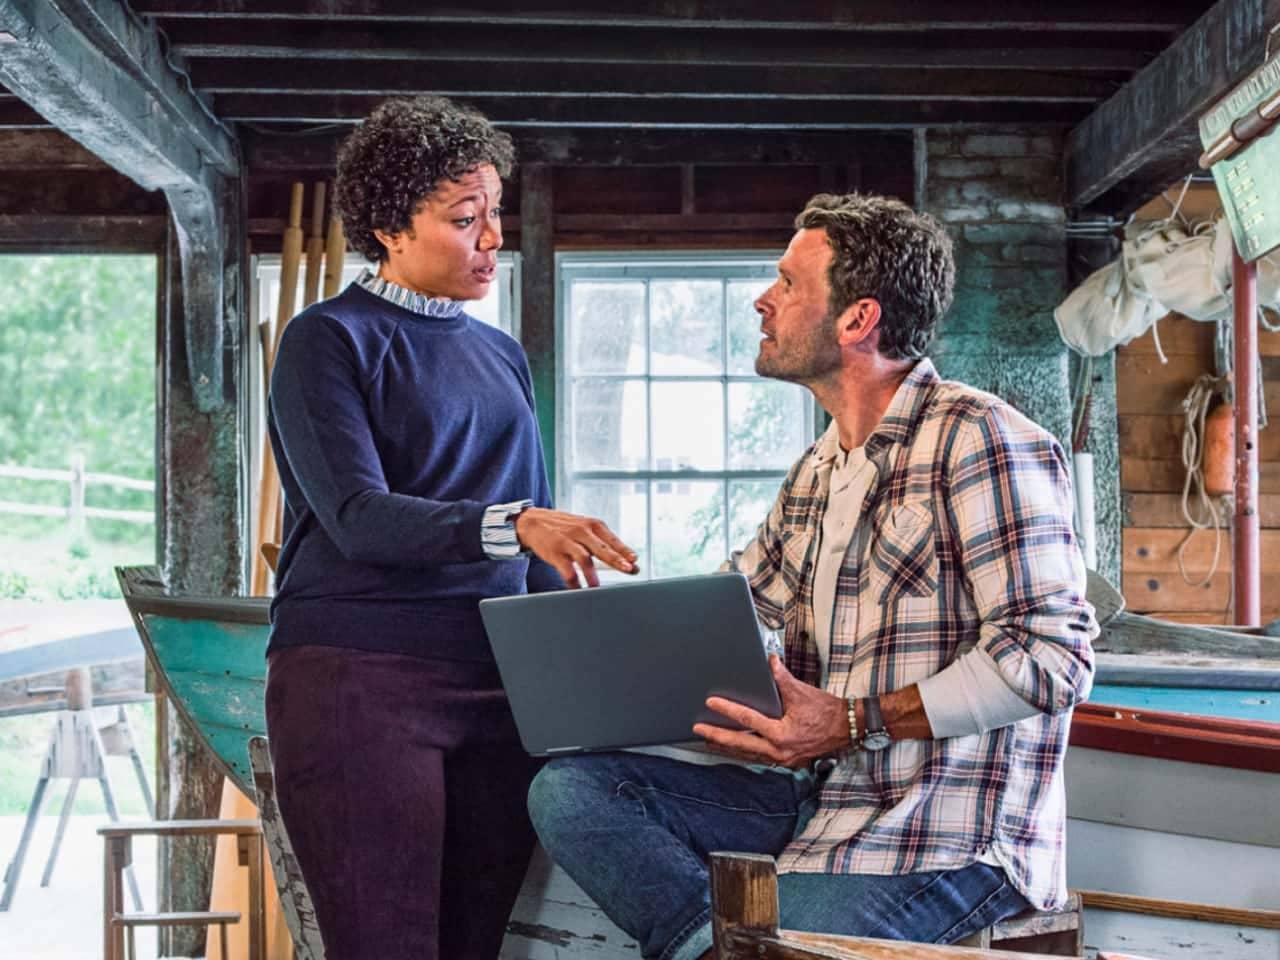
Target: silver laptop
[628, 665]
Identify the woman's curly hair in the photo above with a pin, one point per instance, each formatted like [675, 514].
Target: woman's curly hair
[393, 160]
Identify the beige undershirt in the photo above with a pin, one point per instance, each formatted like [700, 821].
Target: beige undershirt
[852, 475]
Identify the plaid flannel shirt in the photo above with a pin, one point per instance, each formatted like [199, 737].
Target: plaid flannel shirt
[966, 539]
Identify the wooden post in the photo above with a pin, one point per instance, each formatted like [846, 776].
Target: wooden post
[538, 299]
[744, 899]
[315, 247]
[1247, 598]
[75, 510]
[335, 249]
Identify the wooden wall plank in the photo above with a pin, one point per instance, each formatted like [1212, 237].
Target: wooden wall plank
[1165, 510]
[1153, 550]
[1152, 436]
[1166, 476]
[1145, 385]
[1168, 591]
[1182, 335]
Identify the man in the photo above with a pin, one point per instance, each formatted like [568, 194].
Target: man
[921, 564]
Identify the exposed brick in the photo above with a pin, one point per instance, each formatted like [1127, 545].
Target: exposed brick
[1036, 169]
[1029, 210]
[994, 145]
[1034, 253]
[963, 214]
[957, 167]
[1046, 145]
[940, 144]
[1012, 233]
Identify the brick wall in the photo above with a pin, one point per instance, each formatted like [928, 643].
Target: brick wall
[999, 194]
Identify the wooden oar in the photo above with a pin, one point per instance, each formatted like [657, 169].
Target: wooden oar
[269, 488]
[335, 249]
[315, 247]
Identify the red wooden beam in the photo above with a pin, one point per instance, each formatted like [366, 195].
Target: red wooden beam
[1246, 561]
[1243, 744]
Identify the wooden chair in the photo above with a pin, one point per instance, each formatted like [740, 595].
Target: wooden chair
[295, 902]
[744, 902]
[118, 838]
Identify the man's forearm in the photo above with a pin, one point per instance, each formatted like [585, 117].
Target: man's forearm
[903, 713]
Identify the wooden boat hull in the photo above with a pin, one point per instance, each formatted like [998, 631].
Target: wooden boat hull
[209, 654]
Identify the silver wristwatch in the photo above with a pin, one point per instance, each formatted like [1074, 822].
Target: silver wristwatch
[874, 734]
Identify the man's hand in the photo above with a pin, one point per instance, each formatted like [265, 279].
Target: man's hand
[813, 724]
[569, 542]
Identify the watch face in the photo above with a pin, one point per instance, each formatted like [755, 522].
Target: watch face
[876, 740]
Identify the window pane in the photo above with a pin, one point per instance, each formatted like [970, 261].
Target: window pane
[606, 327]
[610, 428]
[684, 334]
[688, 527]
[688, 426]
[749, 503]
[744, 323]
[766, 425]
[623, 506]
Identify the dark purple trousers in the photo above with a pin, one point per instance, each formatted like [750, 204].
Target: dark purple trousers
[402, 784]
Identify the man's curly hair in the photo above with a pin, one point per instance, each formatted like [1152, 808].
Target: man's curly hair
[393, 160]
[885, 250]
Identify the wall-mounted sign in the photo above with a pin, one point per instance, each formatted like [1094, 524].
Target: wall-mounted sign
[1242, 149]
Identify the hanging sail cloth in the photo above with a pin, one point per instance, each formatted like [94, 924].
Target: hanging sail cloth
[1164, 267]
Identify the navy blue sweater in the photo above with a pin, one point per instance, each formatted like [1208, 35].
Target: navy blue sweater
[393, 432]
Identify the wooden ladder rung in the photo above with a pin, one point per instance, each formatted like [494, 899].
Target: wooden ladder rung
[193, 919]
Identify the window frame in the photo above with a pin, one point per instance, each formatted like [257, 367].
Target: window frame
[648, 265]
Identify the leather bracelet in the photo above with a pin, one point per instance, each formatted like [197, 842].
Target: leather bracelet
[855, 741]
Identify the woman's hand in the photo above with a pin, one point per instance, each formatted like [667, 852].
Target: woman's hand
[569, 542]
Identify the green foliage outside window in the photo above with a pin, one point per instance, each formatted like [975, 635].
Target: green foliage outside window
[77, 361]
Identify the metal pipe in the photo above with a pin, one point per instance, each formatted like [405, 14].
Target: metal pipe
[1245, 542]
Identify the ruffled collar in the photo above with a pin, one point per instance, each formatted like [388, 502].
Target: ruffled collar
[408, 299]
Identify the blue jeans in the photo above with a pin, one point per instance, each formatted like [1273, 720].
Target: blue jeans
[634, 831]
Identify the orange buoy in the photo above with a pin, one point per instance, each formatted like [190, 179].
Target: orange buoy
[1219, 460]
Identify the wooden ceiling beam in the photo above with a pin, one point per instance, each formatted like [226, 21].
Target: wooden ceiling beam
[266, 152]
[1146, 135]
[984, 49]
[44, 150]
[16, 113]
[528, 80]
[854, 15]
[663, 112]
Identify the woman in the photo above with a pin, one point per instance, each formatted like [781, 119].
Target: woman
[414, 487]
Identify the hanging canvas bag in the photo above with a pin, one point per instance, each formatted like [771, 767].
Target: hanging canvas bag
[1105, 312]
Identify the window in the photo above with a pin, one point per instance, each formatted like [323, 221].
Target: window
[666, 432]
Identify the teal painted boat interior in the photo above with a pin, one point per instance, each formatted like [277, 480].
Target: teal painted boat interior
[1257, 705]
[218, 672]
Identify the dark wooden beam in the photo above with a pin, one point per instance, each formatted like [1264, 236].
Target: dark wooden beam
[982, 49]
[852, 15]
[674, 113]
[16, 114]
[1146, 135]
[101, 75]
[265, 152]
[44, 150]
[459, 78]
[63, 233]
[538, 298]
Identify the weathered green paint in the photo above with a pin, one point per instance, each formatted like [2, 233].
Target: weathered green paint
[222, 694]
